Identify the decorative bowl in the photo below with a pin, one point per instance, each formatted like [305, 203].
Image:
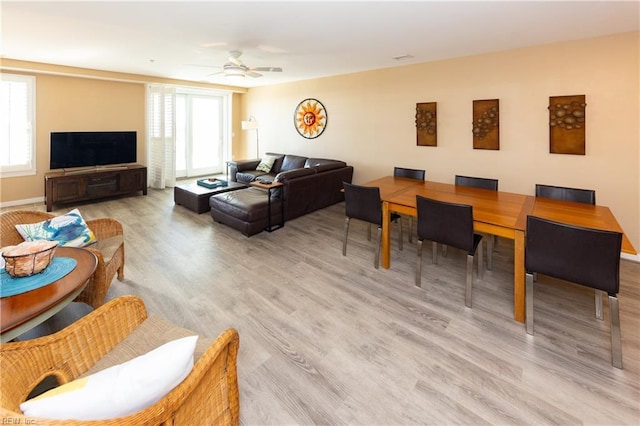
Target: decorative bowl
[28, 258]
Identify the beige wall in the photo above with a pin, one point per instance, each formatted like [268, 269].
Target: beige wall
[371, 119]
[76, 99]
[77, 104]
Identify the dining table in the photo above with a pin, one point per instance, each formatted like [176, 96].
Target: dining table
[21, 312]
[494, 212]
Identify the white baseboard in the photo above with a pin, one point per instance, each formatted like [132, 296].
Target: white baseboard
[40, 200]
[631, 257]
[37, 200]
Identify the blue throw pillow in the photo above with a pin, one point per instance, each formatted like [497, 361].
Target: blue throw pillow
[70, 230]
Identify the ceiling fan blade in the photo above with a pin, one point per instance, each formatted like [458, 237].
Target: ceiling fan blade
[215, 73]
[253, 74]
[267, 69]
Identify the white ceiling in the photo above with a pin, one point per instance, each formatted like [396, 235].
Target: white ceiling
[308, 39]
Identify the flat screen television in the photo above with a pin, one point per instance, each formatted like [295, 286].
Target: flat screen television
[90, 149]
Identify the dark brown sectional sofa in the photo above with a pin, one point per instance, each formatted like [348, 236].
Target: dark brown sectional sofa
[309, 184]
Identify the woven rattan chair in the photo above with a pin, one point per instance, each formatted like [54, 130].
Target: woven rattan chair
[208, 395]
[109, 249]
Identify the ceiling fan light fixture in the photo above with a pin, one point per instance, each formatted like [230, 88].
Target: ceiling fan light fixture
[234, 72]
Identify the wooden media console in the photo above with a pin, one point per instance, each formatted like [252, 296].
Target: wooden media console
[80, 185]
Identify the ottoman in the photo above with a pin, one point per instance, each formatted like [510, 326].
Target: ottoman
[196, 197]
[245, 210]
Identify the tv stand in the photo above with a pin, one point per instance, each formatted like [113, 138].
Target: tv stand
[81, 185]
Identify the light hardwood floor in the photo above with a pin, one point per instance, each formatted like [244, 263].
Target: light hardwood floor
[327, 339]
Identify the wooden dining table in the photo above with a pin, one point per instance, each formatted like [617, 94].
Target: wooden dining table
[494, 212]
[23, 311]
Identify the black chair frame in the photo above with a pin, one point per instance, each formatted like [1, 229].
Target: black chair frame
[364, 203]
[450, 224]
[588, 257]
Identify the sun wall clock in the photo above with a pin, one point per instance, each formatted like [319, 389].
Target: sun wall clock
[310, 118]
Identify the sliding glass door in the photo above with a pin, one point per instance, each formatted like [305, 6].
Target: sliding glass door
[199, 134]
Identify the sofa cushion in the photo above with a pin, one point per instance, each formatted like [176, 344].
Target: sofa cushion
[154, 332]
[249, 175]
[291, 162]
[316, 162]
[292, 174]
[329, 166]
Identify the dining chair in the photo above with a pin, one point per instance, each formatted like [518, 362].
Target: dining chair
[450, 224]
[578, 195]
[118, 332]
[364, 203]
[484, 183]
[584, 256]
[417, 174]
[587, 196]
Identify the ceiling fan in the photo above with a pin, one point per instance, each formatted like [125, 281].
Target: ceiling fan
[236, 68]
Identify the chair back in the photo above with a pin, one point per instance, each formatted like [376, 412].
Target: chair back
[585, 256]
[408, 173]
[9, 235]
[477, 182]
[445, 223]
[363, 202]
[587, 196]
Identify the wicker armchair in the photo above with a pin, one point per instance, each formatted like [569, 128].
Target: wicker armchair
[109, 249]
[208, 395]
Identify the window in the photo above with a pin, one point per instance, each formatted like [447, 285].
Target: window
[17, 125]
[200, 132]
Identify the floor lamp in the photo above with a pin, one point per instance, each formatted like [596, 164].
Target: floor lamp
[252, 124]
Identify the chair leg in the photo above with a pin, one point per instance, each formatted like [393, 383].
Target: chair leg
[599, 305]
[480, 262]
[400, 236]
[369, 233]
[469, 288]
[490, 252]
[434, 252]
[616, 339]
[344, 240]
[529, 303]
[444, 250]
[419, 264]
[376, 262]
[410, 229]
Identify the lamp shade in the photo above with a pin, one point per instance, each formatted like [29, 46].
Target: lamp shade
[249, 125]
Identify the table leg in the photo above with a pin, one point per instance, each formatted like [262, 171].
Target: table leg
[271, 228]
[386, 236]
[519, 311]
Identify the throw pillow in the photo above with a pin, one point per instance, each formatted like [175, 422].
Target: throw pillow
[266, 164]
[119, 390]
[70, 230]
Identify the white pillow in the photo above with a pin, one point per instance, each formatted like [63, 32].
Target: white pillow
[266, 164]
[119, 390]
[70, 230]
